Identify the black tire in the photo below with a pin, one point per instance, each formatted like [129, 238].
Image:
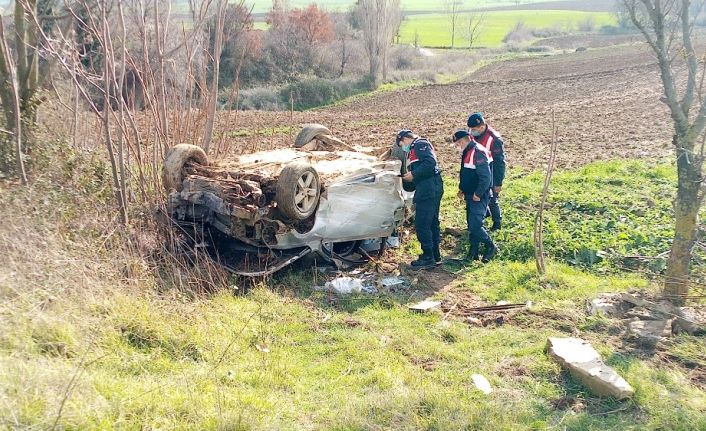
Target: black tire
[309, 132]
[177, 157]
[298, 191]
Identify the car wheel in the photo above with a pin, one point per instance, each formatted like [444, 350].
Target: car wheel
[308, 133]
[177, 157]
[298, 191]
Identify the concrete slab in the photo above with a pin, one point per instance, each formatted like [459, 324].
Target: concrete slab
[587, 366]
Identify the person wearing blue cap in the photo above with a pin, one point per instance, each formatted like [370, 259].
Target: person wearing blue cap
[492, 141]
[424, 173]
[474, 187]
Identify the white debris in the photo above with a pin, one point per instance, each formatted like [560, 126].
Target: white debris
[482, 384]
[425, 306]
[344, 285]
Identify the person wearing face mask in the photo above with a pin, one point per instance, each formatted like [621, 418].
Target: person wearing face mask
[424, 173]
[491, 140]
[474, 187]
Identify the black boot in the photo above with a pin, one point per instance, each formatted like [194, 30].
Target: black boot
[473, 252]
[437, 255]
[497, 225]
[490, 251]
[425, 261]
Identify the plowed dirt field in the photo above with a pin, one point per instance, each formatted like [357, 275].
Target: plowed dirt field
[606, 105]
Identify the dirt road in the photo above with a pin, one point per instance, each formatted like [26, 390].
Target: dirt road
[606, 103]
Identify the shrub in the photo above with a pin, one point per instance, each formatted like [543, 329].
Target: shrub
[548, 32]
[519, 33]
[587, 25]
[538, 48]
[310, 93]
[263, 98]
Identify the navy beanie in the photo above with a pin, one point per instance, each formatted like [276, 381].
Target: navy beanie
[405, 133]
[460, 134]
[475, 120]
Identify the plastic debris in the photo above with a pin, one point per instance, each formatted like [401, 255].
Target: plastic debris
[344, 285]
[482, 384]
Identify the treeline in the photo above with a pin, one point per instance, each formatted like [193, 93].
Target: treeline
[147, 76]
[307, 56]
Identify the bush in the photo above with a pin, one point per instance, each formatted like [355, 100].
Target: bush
[538, 48]
[548, 32]
[587, 25]
[264, 98]
[519, 33]
[314, 92]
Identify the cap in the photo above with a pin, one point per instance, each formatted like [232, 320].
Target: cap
[475, 119]
[405, 133]
[459, 134]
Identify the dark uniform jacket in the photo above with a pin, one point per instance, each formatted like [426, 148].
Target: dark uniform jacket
[490, 139]
[475, 171]
[425, 170]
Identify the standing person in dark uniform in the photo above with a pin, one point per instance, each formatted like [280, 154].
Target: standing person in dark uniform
[491, 140]
[425, 174]
[474, 187]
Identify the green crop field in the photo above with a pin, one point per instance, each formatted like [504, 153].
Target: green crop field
[435, 29]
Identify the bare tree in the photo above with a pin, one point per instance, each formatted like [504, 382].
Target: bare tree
[475, 27]
[212, 98]
[379, 21]
[8, 73]
[344, 34]
[667, 26]
[453, 10]
[19, 80]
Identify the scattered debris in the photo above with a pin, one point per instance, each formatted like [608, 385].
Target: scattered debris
[369, 283]
[482, 384]
[500, 307]
[586, 365]
[609, 304]
[476, 312]
[648, 319]
[263, 348]
[650, 332]
[689, 321]
[344, 285]
[394, 282]
[425, 306]
[661, 307]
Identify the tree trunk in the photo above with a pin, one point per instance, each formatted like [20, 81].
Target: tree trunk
[686, 214]
[375, 70]
[212, 99]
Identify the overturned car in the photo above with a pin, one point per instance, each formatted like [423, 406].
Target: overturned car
[263, 211]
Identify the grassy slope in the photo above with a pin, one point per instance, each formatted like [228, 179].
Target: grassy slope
[281, 358]
[435, 29]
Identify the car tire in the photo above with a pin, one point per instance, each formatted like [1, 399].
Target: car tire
[308, 133]
[298, 191]
[177, 157]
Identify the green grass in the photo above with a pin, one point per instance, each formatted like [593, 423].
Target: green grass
[91, 331]
[265, 361]
[595, 215]
[434, 29]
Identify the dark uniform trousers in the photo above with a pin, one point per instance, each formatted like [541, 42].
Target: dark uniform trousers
[426, 223]
[494, 207]
[475, 214]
